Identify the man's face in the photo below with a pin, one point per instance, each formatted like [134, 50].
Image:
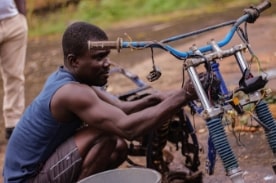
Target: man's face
[93, 67]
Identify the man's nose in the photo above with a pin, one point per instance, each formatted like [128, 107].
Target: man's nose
[106, 62]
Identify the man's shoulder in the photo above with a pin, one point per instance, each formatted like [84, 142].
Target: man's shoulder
[70, 98]
[76, 91]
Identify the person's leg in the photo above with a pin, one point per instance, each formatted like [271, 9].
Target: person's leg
[88, 152]
[63, 166]
[120, 155]
[13, 54]
[99, 152]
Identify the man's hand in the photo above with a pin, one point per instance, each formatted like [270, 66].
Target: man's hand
[155, 97]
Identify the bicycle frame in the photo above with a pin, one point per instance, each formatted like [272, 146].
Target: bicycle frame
[212, 112]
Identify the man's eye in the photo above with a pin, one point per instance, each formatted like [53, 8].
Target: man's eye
[100, 56]
[96, 57]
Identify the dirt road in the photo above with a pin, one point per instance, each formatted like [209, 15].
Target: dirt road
[44, 56]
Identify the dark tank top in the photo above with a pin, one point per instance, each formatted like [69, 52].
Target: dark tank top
[37, 134]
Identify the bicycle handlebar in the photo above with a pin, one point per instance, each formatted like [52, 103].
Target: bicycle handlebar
[251, 14]
[254, 12]
[263, 6]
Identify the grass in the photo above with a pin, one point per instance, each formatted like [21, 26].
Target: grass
[107, 13]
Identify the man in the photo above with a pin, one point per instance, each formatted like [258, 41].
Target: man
[73, 129]
[13, 45]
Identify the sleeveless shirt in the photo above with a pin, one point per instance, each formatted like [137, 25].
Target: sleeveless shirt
[37, 134]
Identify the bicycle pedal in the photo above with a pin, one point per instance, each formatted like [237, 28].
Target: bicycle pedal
[154, 75]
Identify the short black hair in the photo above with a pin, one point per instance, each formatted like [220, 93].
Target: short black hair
[76, 36]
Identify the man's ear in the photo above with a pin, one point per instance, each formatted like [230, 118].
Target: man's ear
[72, 60]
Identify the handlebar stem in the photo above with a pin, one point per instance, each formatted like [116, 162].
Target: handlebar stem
[194, 61]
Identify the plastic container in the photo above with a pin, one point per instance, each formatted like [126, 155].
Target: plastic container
[127, 175]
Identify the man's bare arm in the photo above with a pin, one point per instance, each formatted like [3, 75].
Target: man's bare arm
[84, 102]
[131, 106]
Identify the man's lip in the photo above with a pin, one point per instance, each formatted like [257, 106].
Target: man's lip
[106, 73]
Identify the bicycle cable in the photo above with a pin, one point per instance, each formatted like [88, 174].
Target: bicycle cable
[243, 34]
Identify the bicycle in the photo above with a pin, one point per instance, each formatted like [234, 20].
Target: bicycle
[214, 103]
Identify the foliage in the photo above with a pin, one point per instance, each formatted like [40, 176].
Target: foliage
[271, 99]
[107, 12]
[118, 9]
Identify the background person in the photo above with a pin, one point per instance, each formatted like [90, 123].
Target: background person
[13, 45]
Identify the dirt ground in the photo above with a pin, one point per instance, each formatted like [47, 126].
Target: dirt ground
[44, 56]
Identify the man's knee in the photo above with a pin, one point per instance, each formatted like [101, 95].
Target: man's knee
[122, 147]
[119, 155]
[89, 138]
[93, 143]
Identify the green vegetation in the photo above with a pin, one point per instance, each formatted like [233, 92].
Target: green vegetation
[271, 99]
[106, 13]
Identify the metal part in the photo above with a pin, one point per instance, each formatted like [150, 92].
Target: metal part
[211, 112]
[214, 55]
[241, 61]
[199, 88]
[216, 48]
[236, 175]
[251, 98]
[154, 74]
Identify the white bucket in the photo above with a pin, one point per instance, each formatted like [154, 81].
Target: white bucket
[127, 175]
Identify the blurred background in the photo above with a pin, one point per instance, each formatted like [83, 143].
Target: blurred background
[50, 17]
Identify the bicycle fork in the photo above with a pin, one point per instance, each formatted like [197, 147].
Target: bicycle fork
[264, 115]
[212, 116]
